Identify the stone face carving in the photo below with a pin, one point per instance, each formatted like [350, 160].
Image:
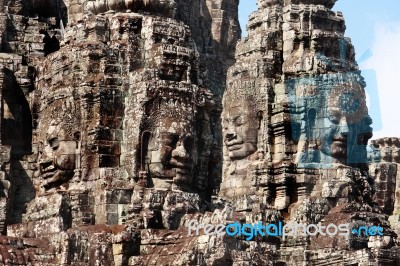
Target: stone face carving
[241, 128]
[335, 125]
[171, 151]
[59, 140]
[167, 132]
[244, 133]
[346, 111]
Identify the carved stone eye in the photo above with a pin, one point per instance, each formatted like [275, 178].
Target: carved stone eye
[239, 121]
[54, 143]
[334, 120]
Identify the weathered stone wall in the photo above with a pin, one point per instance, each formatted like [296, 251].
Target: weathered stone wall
[93, 85]
[123, 122]
[383, 156]
[296, 128]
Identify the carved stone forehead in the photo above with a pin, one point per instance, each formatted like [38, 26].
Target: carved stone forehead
[348, 101]
[322, 89]
[59, 118]
[170, 114]
[250, 94]
[345, 96]
[244, 106]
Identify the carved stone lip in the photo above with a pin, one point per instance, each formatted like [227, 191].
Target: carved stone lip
[341, 141]
[49, 174]
[167, 174]
[180, 165]
[183, 170]
[342, 138]
[186, 167]
[47, 167]
[235, 146]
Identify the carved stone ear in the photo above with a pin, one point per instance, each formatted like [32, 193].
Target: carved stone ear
[260, 115]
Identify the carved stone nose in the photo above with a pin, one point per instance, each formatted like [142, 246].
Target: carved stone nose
[230, 136]
[344, 129]
[180, 152]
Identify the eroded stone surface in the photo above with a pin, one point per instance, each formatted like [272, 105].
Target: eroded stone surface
[125, 121]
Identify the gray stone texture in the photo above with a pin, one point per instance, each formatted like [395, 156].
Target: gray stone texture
[123, 121]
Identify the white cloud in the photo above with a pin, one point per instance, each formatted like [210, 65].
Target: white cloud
[386, 62]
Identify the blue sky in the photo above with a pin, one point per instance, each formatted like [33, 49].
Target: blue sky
[374, 28]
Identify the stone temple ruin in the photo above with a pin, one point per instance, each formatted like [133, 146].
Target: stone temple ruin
[122, 122]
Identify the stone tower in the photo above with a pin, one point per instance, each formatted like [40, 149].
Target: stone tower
[127, 124]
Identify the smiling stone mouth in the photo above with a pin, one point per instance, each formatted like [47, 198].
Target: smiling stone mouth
[236, 146]
[49, 174]
[183, 170]
[339, 142]
[47, 167]
[181, 166]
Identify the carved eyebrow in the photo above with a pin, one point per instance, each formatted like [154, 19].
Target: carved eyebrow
[228, 119]
[236, 117]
